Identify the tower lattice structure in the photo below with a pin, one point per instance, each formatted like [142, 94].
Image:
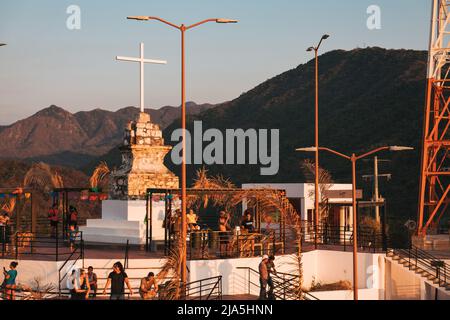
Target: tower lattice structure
[434, 197]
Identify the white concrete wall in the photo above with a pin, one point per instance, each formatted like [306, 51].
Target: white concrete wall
[363, 294]
[323, 266]
[46, 272]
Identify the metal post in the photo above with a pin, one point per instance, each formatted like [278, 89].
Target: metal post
[316, 178]
[56, 244]
[383, 228]
[3, 231]
[249, 291]
[146, 222]
[17, 245]
[376, 193]
[355, 231]
[183, 165]
[150, 223]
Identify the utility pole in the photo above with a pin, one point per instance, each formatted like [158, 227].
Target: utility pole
[375, 188]
[376, 191]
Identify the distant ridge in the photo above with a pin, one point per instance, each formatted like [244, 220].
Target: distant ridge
[57, 136]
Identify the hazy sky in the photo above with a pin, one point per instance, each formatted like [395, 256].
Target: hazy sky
[45, 63]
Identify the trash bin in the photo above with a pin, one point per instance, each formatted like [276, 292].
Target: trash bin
[196, 240]
[213, 238]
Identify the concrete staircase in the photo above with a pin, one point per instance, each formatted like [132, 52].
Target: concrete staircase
[423, 265]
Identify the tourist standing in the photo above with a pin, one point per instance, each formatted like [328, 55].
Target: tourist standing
[117, 279]
[149, 287]
[248, 223]
[92, 278]
[10, 281]
[224, 232]
[263, 277]
[73, 217]
[4, 231]
[271, 271]
[53, 217]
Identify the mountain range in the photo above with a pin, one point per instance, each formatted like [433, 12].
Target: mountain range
[56, 136]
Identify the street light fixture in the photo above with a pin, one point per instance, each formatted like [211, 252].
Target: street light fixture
[316, 136]
[183, 28]
[2, 44]
[353, 158]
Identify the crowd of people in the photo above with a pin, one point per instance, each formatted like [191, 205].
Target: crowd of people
[224, 223]
[84, 285]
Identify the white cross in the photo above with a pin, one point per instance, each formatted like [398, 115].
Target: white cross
[142, 61]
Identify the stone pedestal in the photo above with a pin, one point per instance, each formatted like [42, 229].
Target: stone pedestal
[123, 216]
[124, 220]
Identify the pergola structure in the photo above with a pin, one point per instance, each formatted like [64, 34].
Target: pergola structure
[169, 198]
[61, 196]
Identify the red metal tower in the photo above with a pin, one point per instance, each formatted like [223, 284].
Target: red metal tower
[434, 196]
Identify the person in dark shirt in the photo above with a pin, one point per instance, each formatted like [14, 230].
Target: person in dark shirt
[247, 223]
[117, 279]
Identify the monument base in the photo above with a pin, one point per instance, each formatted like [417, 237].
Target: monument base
[124, 220]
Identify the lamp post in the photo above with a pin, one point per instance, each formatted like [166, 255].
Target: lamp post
[182, 28]
[353, 158]
[316, 135]
[2, 44]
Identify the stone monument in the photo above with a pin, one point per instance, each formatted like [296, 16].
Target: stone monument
[143, 152]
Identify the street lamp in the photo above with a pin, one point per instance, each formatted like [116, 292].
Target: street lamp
[316, 180]
[353, 158]
[2, 44]
[183, 28]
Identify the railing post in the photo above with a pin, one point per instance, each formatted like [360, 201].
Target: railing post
[56, 247]
[274, 244]
[238, 247]
[374, 242]
[17, 246]
[416, 257]
[409, 259]
[345, 238]
[2, 229]
[221, 288]
[59, 283]
[249, 291]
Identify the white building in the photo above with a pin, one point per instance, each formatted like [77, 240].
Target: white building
[301, 195]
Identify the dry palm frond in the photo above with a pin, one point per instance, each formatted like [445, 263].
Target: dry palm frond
[325, 183]
[39, 291]
[9, 205]
[99, 174]
[57, 180]
[203, 181]
[171, 270]
[40, 176]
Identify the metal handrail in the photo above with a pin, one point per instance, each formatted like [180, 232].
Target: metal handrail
[425, 261]
[285, 286]
[199, 286]
[80, 256]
